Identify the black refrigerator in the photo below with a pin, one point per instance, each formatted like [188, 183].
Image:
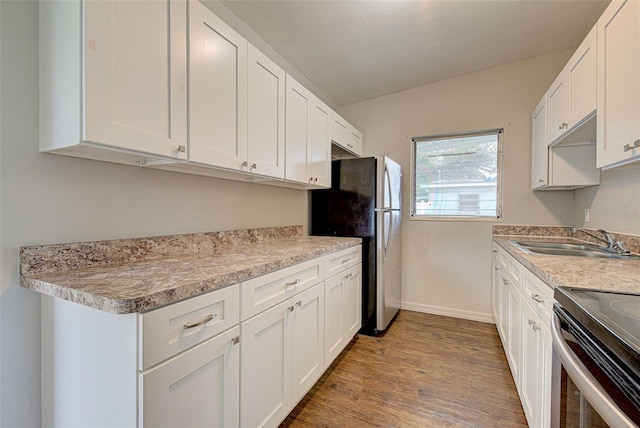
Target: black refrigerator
[365, 201]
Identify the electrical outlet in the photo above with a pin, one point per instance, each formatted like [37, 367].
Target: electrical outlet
[586, 215]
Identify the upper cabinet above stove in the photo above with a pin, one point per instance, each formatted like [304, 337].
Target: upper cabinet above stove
[618, 89]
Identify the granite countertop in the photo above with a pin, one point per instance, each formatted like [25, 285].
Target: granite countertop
[565, 271]
[137, 275]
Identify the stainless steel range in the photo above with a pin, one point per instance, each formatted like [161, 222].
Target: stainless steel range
[596, 370]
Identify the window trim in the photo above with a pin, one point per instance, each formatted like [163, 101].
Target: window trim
[499, 207]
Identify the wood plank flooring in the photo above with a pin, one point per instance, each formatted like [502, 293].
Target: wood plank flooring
[426, 371]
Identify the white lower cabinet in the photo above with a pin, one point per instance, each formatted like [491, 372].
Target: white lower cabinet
[343, 294]
[243, 355]
[523, 320]
[282, 357]
[199, 388]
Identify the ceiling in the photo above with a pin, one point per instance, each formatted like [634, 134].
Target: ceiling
[359, 49]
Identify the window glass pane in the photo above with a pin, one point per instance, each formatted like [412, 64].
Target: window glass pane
[457, 175]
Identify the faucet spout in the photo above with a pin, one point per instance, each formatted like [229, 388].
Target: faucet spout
[609, 239]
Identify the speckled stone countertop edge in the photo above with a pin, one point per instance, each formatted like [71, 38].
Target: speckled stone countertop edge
[163, 275]
[558, 271]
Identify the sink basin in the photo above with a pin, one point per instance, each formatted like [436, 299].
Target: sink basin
[569, 249]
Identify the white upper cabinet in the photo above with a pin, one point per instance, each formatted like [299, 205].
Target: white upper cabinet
[117, 82]
[218, 91]
[344, 134]
[618, 89]
[540, 148]
[571, 99]
[266, 92]
[308, 148]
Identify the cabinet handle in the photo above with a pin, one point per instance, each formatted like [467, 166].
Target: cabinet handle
[235, 340]
[628, 147]
[199, 323]
[347, 260]
[559, 127]
[294, 283]
[254, 166]
[537, 298]
[182, 149]
[291, 308]
[315, 180]
[299, 303]
[541, 180]
[244, 163]
[505, 281]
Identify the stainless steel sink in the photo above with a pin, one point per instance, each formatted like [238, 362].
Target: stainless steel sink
[570, 249]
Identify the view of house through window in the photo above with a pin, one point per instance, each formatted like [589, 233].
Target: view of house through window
[457, 175]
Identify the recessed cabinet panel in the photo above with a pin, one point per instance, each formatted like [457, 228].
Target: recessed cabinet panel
[618, 89]
[556, 101]
[218, 93]
[319, 145]
[198, 388]
[297, 114]
[136, 76]
[582, 80]
[308, 339]
[540, 149]
[266, 115]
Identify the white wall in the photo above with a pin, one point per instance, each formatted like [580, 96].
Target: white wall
[51, 199]
[446, 266]
[614, 205]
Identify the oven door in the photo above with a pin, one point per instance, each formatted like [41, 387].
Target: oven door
[583, 393]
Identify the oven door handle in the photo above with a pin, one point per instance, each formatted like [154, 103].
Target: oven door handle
[586, 383]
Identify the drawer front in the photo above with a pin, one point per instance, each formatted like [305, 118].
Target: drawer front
[513, 270]
[342, 260]
[174, 328]
[259, 294]
[539, 295]
[500, 256]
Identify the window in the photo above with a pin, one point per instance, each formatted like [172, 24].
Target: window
[457, 176]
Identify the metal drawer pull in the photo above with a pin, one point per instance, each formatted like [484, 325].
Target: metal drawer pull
[199, 323]
[505, 281]
[299, 303]
[628, 147]
[347, 260]
[181, 149]
[291, 308]
[235, 340]
[293, 284]
[537, 298]
[348, 276]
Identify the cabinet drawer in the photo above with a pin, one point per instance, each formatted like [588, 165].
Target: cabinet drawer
[513, 269]
[342, 260]
[266, 291]
[174, 328]
[539, 296]
[499, 255]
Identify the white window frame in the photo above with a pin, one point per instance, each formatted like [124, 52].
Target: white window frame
[477, 218]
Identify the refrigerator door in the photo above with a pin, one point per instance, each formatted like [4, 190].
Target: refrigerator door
[388, 242]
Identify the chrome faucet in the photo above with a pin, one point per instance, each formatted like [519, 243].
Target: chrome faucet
[609, 239]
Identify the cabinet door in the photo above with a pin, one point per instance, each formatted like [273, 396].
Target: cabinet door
[296, 126]
[265, 383]
[529, 382]
[319, 144]
[266, 92]
[199, 388]
[308, 340]
[557, 108]
[495, 293]
[136, 75]
[338, 130]
[356, 141]
[514, 332]
[581, 78]
[334, 339]
[504, 312]
[540, 150]
[352, 302]
[218, 91]
[545, 358]
[618, 89]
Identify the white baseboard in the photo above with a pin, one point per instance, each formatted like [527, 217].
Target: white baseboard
[449, 312]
